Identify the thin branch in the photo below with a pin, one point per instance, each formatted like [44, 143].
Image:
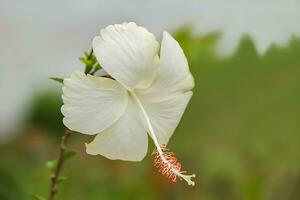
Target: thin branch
[59, 165]
[60, 162]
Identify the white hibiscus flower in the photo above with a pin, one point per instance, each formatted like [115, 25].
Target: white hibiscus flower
[147, 93]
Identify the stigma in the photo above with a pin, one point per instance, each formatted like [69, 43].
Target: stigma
[169, 166]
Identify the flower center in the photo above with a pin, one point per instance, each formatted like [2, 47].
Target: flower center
[165, 160]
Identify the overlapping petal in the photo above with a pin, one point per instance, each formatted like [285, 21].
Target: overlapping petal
[129, 53]
[166, 99]
[124, 140]
[91, 104]
[174, 77]
[165, 115]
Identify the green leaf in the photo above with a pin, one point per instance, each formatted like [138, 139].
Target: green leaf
[36, 197]
[51, 164]
[90, 61]
[88, 68]
[93, 59]
[60, 80]
[68, 154]
[61, 179]
[86, 53]
[84, 60]
[97, 67]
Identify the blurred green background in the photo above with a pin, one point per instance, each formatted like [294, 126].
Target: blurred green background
[240, 134]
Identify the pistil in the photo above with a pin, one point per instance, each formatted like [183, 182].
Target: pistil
[164, 160]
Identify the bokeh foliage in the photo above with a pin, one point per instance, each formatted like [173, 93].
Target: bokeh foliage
[240, 135]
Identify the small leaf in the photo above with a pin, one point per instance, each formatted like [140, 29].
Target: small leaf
[86, 53]
[84, 60]
[51, 164]
[36, 197]
[60, 80]
[93, 59]
[97, 67]
[68, 154]
[61, 179]
[87, 61]
[88, 68]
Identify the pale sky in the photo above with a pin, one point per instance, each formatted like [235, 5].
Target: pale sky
[44, 38]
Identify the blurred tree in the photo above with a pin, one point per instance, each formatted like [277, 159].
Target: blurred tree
[44, 112]
[9, 186]
[240, 133]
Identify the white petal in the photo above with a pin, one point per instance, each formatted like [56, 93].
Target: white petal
[128, 53]
[124, 140]
[168, 96]
[165, 115]
[174, 76]
[91, 104]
